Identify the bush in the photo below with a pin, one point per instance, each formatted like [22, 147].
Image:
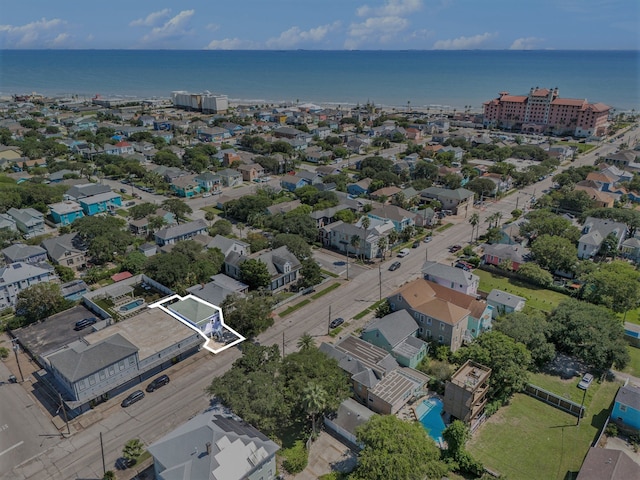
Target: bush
[492, 407]
[295, 458]
[4, 352]
[611, 430]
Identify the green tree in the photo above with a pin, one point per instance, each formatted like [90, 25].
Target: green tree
[132, 450]
[40, 301]
[531, 330]
[142, 210]
[392, 448]
[179, 208]
[106, 236]
[508, 360]
[535, 274]
[590, 332]
[305, 342]
[615, 285]
[255, 273]
[474, 220]
[481, 186]
[249, 315]
[554, 253]
[315, 401]
[134, 262]
[544, 222]
[65, 274]
[311, 272]
[346, 215]
[221, 227]
[257, 241]
[294, 243]
[456, 435]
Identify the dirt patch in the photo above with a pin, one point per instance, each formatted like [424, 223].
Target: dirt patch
[565, 367]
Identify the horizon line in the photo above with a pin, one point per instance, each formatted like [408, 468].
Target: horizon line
[325, 50]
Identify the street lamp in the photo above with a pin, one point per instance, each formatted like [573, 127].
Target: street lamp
[16, 348]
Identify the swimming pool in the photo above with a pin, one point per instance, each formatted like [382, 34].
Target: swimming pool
[131, 305]
[429, 413]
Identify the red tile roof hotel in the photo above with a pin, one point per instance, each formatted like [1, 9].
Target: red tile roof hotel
[543, 111]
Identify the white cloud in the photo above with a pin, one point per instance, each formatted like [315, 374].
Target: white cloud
[391, 8]
[213, 27]
[525, 43]
[464, 43]
[172, 29]
[378, 29]
[230, 44]
[294, 36]
[61, 40]
[151, 20]
[40, 33]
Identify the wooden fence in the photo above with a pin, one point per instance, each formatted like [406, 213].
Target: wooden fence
[554, 400]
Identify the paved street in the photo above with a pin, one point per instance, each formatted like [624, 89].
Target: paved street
[78, 456]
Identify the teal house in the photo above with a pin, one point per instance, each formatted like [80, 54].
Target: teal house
[65, 213]
[185, 186]
[626, 407]
[100, 203]
[397, 334]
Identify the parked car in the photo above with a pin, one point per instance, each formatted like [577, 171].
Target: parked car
[404, 252]
[394, 266]
[123, 190]
[133, 398]
[427, 239]
[464, 266]
[586, 381]
[336, 322]
[85, 322]
[415, 244]
[161, 381]
[455, 248]
[206, 195]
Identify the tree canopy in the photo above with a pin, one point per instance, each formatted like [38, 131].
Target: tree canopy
[249, 315]
[615, 285]
[106, 237]
[531, 330]
[39, 301]
[255, 273]
[554, 253]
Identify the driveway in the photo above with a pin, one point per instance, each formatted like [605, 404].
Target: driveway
[326, 455]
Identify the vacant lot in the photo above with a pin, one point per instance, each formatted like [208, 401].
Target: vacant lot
[529, 439]
[538, 298]
[634, 364]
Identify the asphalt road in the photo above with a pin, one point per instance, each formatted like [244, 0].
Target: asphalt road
[78, 456]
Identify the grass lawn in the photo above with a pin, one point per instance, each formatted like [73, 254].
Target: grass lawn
[582, 147]
[214, 210]
[633, 316]
[530, 439]
[565, 388]
[634, 364]
[325, 291]
[444, 227]
[538, 298]
[295, 307]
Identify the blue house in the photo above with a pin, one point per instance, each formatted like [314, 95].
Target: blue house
[209, 182]
[359, 188]
[65, 213]
[162, 125]
[103, 202]
[626, 407]
[292, 182]
[185, 186]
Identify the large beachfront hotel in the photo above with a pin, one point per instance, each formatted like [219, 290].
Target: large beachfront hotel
[543, 111]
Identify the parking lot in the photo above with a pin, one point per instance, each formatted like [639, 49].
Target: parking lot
[53, 332]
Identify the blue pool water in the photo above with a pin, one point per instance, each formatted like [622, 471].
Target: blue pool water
[429, 414]
[131, 305]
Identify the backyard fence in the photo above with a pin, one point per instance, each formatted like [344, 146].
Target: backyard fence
[554, 400]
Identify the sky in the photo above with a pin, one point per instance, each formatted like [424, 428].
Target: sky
[321, 24]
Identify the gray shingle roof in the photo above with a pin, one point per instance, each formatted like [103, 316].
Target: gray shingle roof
[456, 275]
[78, 359]
[57, 247]
[182, 229]
[394, 327]
[629, 395]
[19, 251]
[504, 298]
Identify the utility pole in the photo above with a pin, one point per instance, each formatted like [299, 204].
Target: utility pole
[581, 406]
[64, 413]
[104, 466]
[329, 322]
[380, 280]
[16, 348]
[347, 263]
[283, 344]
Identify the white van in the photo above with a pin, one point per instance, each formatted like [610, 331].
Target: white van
[404, 252]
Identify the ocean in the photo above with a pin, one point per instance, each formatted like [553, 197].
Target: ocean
[416, 79]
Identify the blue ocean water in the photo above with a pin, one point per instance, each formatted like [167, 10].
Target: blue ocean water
[423, 78]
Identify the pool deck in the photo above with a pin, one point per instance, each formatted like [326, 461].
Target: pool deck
[408, 412]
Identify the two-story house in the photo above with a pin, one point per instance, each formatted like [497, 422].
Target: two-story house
[28, 220]
[101, 203]
[455, 278]
[594, 232]
[67, 250]
[209, 182]
[185, 186]
[16, 277]
[183, 231]
[626, 407]
[251, 172]
[230, 177]
[65, 213]
[19, 252]
[400, 217]
[283, 266]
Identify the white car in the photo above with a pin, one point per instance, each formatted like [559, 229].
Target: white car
[205, 195]
[586, 381]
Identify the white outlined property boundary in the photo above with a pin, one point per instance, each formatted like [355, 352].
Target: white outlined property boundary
[160, 304]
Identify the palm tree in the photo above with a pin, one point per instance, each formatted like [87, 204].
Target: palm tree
[393, 237]
[365, 223]
[315, 401]
[355, 243]
[383, 243]
[305, 342]
[474, 220]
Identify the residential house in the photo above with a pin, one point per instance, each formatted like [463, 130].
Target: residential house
[7, 222]
[386, 193]
[251, 172]
[228, 245]
[292, 182]
[65, 213]
[465, 395]
[359, 188]
[376, 378]
[67, 250]
[283, 266]
[283, 207]
[504, 302]
[457, 200]
[28, 220]
[290, 133]
[626, 407]
[631, 249]
[148, 249]
[321, 132]
[344, 422]
[498, 254]
[503, 183]
[457, 152]
[324, 217]
[185, 186]
[400, 217]
[624, 159]
[324, 170]
[594, 231]
[600, 199]
[397, 334]
[16, 277]
[169, 174]
[141, 226]
[226, 448]
[183, 231]
[213, 134]
[443, 314]
[209, 182]
[510, 233]
[312, 178]
[230, 177]
[19, 252]
[342, 237]
[74, 290]
[83, 190]
[317, 155]
[101, 203]
[218, 289]
[608, 464]
[455, 278]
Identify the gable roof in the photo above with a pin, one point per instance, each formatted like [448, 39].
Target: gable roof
[608, 464]
[182, 229]
[456, 275]
[226, 448]
[20, 271]
[58, 247]
[504, 298]
[629, 395]
[395, 327]
[20, 251]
